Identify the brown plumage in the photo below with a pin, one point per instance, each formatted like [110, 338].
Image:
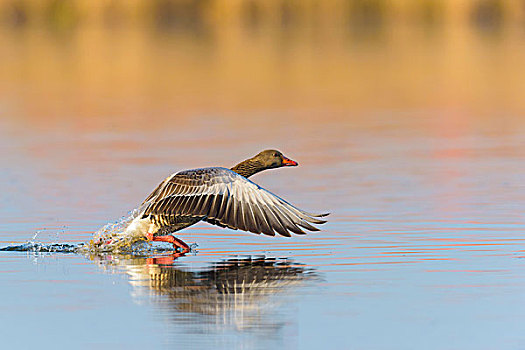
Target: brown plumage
[223, 197]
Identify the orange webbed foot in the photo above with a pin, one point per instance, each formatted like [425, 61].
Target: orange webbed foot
[177, 243]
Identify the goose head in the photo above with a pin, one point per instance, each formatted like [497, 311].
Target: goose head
[268, 159]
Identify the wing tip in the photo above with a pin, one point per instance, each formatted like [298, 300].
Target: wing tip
[322, 215]
[315, 221]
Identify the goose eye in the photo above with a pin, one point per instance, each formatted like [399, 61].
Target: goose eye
[276, 155]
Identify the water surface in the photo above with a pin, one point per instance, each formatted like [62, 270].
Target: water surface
[424, 246]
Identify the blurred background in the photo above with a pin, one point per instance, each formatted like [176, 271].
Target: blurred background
[407, 120]
[93, 64]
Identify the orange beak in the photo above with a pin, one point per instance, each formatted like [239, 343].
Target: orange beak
[289, 162]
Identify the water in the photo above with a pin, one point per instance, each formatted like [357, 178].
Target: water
[424, 247]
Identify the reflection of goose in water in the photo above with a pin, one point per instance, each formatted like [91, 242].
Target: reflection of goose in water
[240, 292]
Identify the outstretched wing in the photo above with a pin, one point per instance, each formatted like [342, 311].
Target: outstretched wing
[225, 198]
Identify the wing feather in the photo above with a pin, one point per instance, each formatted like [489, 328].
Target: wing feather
[215, 205]
[227, 199]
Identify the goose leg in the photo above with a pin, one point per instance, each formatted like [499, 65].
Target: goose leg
[177, 243]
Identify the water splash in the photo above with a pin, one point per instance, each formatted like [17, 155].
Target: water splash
[114, 229]
[40, 247]
[108, 239]
[37, 247]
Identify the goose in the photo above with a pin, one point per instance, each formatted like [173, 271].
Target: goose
[222, 197]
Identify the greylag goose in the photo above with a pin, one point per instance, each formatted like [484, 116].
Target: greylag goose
[222, 197]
